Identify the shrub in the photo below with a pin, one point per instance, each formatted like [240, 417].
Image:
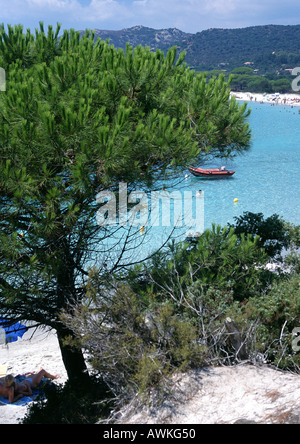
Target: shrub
[279, 314]
[272, 232]
[132, 344]
[205, 302]
[218, 259]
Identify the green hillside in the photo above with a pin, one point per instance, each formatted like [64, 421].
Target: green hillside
[270, 52]
[268, 48]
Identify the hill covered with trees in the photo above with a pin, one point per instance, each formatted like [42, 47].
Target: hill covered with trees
[270, 52]
[268, 48]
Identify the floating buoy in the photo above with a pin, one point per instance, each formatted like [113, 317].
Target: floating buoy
[235, 200]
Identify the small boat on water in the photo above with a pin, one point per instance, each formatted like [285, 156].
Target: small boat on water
[211, 173]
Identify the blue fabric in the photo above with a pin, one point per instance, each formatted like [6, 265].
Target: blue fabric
[23, 401]
[13, 332]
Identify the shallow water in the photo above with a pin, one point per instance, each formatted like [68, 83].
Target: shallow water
[267, 177]
[267, 180]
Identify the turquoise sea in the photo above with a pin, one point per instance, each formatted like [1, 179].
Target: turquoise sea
[267, 180]
[267, 177]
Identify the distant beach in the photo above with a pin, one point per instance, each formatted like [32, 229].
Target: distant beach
[272, 99]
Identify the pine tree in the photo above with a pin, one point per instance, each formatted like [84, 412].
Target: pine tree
[78, 117]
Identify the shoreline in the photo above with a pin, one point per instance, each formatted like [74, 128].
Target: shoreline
[271, 99]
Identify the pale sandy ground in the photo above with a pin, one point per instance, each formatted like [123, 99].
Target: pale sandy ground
[281, 99]
[216, 395]
[26, 355]
[226, 395]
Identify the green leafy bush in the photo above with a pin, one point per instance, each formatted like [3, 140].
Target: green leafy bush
[134, 345]
[208, 301]
[218, 259]
[272, 232]
[279, 313]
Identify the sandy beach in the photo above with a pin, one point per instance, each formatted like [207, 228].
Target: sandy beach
[272, 99]
[36, 349]
[226, 395]
[204, 396]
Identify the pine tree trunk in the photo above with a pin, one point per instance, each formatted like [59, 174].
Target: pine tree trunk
[73, 358]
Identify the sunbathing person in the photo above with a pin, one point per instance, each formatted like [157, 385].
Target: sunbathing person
[8, 391]
[4, 391]
[13, 390]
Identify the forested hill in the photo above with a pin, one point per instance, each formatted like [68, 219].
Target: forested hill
[267, 48]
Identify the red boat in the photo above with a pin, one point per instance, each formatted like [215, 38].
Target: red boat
[211, 173]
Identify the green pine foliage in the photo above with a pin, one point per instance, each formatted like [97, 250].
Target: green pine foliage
[78, 117]
[272, 232]
[218, 259]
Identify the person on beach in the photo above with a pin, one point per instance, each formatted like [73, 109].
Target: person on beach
[14, 391]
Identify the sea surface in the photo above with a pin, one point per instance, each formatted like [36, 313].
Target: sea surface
[266, 180]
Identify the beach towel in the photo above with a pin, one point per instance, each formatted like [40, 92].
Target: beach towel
[37, 393]
[3, 369]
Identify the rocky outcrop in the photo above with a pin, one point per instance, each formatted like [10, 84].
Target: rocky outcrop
[154, 38]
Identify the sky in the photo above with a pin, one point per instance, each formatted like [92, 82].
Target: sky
[187, 15]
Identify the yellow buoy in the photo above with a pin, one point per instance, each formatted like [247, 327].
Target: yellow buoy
[235, 200]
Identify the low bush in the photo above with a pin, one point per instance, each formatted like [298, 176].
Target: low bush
[135, 346]
[279, 314]
[208, 301]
